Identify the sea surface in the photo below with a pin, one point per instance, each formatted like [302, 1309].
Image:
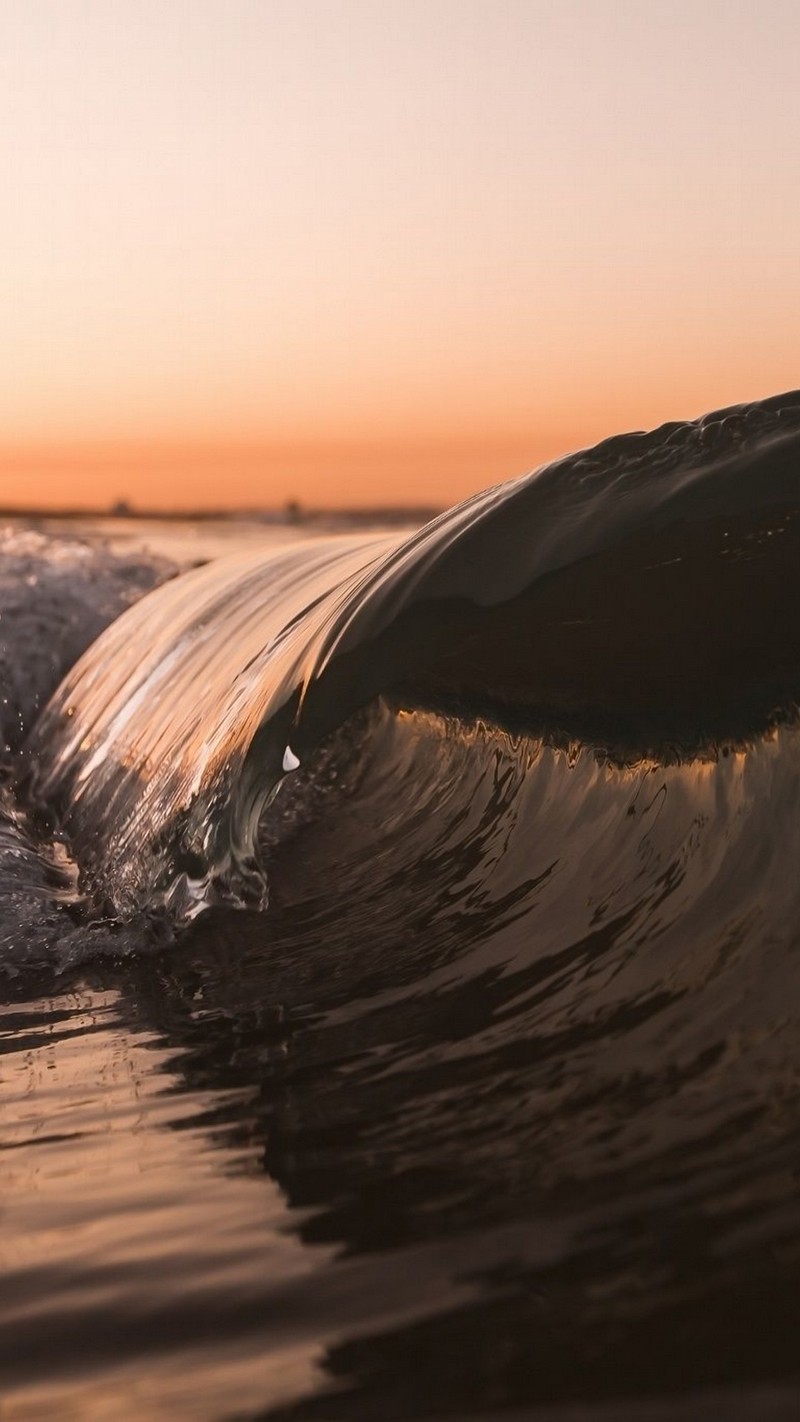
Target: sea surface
[400, 953]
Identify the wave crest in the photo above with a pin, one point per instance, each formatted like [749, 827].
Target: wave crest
[640, 598]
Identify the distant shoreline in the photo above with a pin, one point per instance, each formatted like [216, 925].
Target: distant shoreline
[295, 516]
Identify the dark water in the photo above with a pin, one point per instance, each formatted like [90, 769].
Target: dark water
[461, 1076]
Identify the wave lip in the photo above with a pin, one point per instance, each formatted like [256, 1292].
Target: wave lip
[641, 597]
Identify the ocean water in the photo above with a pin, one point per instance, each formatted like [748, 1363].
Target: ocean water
[400, 954]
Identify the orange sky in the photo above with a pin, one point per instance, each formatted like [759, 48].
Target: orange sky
[356, 251]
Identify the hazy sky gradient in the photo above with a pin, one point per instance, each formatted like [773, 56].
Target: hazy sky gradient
[383, 250]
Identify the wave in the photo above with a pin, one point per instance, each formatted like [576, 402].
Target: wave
[519, 1031]
[639, 598]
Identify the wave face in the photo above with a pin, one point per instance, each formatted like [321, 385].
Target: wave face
[640, 598]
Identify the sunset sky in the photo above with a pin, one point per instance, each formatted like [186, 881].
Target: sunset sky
[382, 251]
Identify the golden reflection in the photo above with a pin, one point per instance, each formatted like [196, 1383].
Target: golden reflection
[108, 1180]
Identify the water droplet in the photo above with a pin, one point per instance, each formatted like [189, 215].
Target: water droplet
[290, 760]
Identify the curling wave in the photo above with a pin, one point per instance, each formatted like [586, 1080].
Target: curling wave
[518, 1041]
[640, 598]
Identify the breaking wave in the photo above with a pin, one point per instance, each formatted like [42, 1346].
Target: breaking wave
[518, 1037]
[637, 602]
